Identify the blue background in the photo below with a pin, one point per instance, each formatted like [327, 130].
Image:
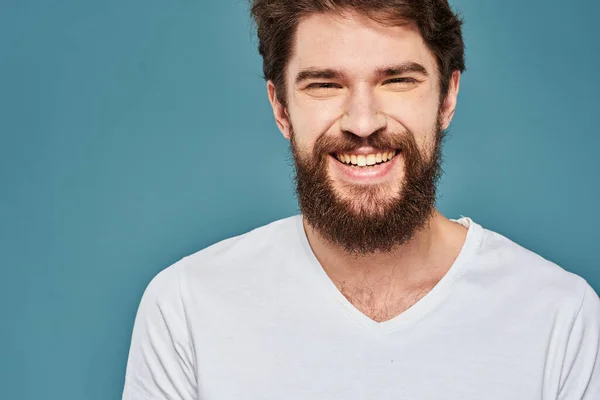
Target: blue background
[135, 132]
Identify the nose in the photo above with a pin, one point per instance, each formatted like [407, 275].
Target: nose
[362, 115]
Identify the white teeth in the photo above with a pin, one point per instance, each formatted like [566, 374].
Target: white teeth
[363, 160]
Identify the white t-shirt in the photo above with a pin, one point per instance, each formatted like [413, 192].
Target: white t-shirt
[255, 317]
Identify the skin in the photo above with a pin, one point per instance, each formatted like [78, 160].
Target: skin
[361, 100]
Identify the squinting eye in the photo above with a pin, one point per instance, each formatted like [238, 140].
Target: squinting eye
[324, 85]
[401, 80]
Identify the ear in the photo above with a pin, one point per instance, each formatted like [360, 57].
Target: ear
[449, 104]
[279, 111]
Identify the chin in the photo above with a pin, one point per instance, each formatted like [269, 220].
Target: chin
[367, 194]
[368, 201]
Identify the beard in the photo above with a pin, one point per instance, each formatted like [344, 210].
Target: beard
[367, 219]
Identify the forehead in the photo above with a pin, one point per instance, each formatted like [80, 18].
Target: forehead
[356, 44]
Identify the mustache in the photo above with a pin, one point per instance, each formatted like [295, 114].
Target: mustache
[348, 142]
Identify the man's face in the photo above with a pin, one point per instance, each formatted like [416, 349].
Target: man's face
[364, 119]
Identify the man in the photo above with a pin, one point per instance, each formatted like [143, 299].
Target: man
[370, 293]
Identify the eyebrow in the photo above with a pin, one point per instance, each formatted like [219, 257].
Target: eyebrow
[316, 73]
[402, 69]
[329, 73]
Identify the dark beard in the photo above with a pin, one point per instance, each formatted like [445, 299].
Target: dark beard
[372, 222]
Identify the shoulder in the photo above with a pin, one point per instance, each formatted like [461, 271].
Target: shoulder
[248, 246]
[527, 275]
[230, 261]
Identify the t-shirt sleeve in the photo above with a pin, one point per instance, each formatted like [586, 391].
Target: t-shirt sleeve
[161, 363]
[580, 378]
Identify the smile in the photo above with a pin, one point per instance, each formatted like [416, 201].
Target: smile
[366, 160]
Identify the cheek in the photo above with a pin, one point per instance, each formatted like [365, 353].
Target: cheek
[418, 114]
[312, 119]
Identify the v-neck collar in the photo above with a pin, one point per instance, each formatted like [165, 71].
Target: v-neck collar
[418, 310]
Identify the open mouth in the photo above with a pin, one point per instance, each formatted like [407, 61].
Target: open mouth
[366, 160]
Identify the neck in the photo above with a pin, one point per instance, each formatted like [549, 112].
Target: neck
[425, 258]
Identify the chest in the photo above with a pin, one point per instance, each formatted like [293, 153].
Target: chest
[322, 350]
[385, 303]
[348, 367]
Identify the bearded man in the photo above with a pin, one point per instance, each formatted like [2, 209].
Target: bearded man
[370, 293]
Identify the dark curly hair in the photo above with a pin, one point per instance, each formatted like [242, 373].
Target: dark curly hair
[276, 22]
